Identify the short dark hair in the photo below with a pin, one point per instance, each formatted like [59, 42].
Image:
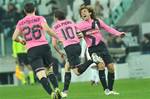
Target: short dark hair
[60, 15]
[29, 7]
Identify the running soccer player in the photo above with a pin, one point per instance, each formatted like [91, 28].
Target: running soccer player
[66, 32]
[90, 27]
[32, 28]
[20, 53]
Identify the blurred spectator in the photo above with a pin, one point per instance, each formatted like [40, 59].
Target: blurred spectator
[87, 2]
[46, 8]
[98, 9]
[76, 6]
[117, 49]
[2, 15]
[146, 44]
[11, 18]
[69, 9]
[115, 42]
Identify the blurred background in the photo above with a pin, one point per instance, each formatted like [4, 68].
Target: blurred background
[131, 54]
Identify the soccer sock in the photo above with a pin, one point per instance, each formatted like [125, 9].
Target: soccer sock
[46, 85]
[67, 81]
[84, 66]
[18, 73]
[23, 78]
[111, 77]
[102, 77]
[31, 77]
[53, 80]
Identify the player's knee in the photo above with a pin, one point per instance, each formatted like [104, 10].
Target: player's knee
[40, 74]
[67, 68]
[101, 66]
[111, 68]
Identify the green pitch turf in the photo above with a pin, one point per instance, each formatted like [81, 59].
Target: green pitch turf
[129, 89]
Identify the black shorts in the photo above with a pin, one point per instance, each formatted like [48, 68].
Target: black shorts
[102, 51]
[40, 57]
[22, 59]
[73, 52]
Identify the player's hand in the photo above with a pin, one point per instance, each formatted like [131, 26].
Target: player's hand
[22, 41]
[123, 34]
[80, 35]
[62, 55]
[59, 42]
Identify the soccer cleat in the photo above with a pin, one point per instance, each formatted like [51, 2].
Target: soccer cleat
[58, 92]
[54, 95]
[114, 93]
[107, 92]
[64, 94]
[96, 58]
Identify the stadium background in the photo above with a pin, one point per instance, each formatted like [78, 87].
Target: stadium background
[132, 61]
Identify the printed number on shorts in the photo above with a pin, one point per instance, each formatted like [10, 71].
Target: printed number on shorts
[35, 30]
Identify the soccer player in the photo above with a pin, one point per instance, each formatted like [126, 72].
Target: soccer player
[91, 29]
[20, 53]
[31, 31]
[66, 32]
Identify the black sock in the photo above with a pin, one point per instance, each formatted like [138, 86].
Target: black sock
[46, 85]
[111, 77]
[67, 81]
[53, 80]
[84, 66]
[102, 77]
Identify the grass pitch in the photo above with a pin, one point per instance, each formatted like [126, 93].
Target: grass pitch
[128, 88]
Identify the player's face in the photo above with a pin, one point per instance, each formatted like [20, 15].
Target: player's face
[85, 14]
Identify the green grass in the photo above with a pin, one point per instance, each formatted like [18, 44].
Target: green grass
[129, 89]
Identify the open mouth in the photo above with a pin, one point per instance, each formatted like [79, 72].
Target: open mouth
[84, 16]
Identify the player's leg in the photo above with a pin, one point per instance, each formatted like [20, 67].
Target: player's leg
[40, 71]
[97, 55]
[67, 80]
[81, 68]
[102, 76]
[110, 66]
[21, 67]
[30, 71]
[41, 75]
[111, 78]
[37, 64]
[51, 76]
[48, 62]
[94, 74]
[30, 74]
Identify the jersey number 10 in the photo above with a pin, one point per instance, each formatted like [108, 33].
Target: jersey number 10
[68, 33]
